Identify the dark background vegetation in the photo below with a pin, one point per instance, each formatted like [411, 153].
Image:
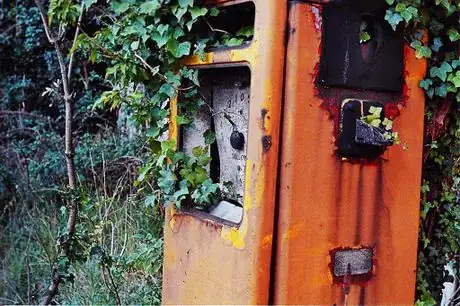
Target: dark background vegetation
[120, 233]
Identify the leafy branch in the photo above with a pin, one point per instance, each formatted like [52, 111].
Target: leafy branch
[440, 212]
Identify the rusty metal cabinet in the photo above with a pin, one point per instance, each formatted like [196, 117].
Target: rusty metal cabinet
[208, 260]
[321, 223]
[331, 205]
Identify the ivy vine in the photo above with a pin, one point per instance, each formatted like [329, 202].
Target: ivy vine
[142, 43]
[440, 209]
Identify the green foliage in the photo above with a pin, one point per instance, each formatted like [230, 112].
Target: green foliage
[385, 125]
[142, 44]
[64, 11]
[33, 179]
[440, 212]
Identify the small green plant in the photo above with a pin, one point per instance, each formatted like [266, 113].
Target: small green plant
[374, 119]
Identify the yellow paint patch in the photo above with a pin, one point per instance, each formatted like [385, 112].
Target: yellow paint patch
[236, 236]
[172, 212]
[196, 60]
[172, 222]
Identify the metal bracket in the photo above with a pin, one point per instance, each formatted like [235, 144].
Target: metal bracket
[357, 138]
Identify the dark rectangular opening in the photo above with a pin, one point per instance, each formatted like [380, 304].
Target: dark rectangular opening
[226, 92]
[232, 27]
[360, 50]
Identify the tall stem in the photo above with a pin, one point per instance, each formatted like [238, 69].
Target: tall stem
[66, 73]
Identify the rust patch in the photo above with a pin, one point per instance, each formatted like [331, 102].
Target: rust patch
[264, 112]
[362, 296]
[264, 116]
[359, 206]
[266, 143]
[332, 99]
[394, 103]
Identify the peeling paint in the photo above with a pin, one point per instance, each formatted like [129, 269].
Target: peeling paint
[236, 236]
[318, 17]
[172, 221]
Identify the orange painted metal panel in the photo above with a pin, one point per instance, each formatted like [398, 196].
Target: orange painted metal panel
[327, 203]
[206, 261]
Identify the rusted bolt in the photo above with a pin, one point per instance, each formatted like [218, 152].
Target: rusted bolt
[266, 142]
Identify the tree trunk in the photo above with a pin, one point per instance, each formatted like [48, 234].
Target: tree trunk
[66, 73]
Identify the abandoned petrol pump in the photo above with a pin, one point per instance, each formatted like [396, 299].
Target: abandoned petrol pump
[324, 206]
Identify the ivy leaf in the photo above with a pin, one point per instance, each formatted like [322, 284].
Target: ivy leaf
[88, 3]
[144, 172]
[196, 12]
[149, 7]
[423, 51]
[206, 193]
[364, 37]
[162, 28]
[441, 72]
[388, 124]
[168, 145]
[247, 32]
[150, 200]
[375, 122]
[420, 50]
[455, 64]
[153, 132]
[376, 111]
[453, 35]
[160, 40]
[182, 120]
[451, 88]
[180, 12]
[119, 7]
[393, 18]
[400, 7]
[409, 13]
[181, 194]
[233, 42]
[209, 137]
[185, 3]
[179, 50]
[437, 44]
[178, 32]
[425, 84]
[441, 91]
[167, 180]
[168, 90]
[454, 79]
[416, 44]
[135, 45]
[213, 12]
